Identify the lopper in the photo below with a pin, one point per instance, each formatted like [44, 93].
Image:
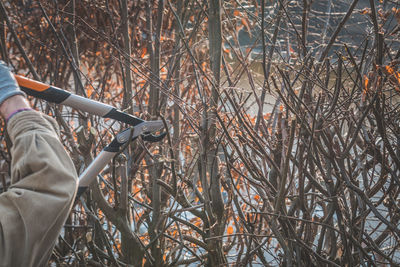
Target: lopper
[140, 127]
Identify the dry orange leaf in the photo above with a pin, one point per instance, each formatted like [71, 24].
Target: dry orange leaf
[366, 82]
[365, 11]
[144, 52]
[229, 230]
[389, 69]
[398, 76]
[246, 24]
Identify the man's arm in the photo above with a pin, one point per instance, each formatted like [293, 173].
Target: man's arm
[43, 185]
[12, 105]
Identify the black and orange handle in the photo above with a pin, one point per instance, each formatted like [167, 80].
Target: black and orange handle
[59, 96]
[42, 90]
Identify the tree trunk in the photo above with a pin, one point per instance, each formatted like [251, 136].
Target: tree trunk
[216, 255]
[127, 102]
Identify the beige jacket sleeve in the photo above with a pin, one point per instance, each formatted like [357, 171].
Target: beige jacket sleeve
[43, 187]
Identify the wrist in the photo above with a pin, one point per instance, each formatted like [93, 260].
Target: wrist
[12, 105]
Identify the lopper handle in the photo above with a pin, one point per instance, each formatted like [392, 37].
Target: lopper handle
[59, 96]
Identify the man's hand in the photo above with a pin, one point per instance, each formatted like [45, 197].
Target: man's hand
[12, 98]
